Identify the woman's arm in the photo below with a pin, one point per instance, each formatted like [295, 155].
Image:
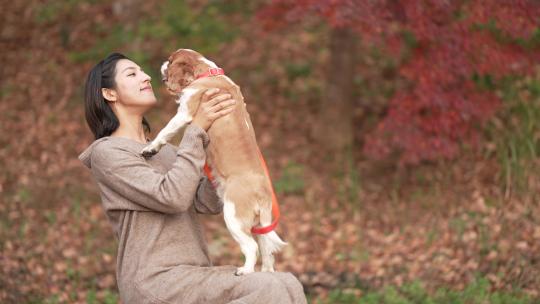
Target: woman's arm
[129, 175]
[207, 200]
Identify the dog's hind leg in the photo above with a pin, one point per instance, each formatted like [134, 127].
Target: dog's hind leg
[268, 242]
[242, 236]
[264, 247]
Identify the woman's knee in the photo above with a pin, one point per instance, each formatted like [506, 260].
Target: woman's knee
[269, 283]
[285, 284]
[291, 281]
[282, 287]
[266, 279]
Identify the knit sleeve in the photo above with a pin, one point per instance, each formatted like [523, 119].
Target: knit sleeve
[129, 175]
[207, 200]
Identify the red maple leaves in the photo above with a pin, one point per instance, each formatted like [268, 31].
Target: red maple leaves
[454, 46]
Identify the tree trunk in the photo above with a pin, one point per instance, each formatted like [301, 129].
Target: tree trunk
[334, 129]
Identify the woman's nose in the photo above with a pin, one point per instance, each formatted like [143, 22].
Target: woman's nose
[146, 77]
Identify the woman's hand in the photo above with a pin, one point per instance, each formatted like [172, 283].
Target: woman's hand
[212, 107]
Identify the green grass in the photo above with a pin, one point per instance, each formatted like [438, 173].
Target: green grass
[414, 293]
[110, 297]
[514, 131]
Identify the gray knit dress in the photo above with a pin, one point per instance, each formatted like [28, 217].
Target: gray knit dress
[152, 205]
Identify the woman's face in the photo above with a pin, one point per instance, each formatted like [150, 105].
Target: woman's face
[133, 87]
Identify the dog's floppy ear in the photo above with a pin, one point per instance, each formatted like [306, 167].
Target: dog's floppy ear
[179, 76]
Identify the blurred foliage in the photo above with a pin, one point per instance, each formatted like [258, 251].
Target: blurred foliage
[438, 46]
[291, 180]
[176, 24]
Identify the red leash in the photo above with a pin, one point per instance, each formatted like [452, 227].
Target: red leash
[275, 207]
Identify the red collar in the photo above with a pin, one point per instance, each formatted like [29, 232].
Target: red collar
[212, 72]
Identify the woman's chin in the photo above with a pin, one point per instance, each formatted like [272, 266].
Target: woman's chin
[151, 102]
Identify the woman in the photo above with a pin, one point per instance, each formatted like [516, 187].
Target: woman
[152, 204]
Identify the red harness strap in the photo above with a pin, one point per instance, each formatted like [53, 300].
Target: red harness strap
[275, 207]
[208, 172]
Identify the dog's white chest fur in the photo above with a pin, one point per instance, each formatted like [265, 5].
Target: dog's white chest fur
[183, 110]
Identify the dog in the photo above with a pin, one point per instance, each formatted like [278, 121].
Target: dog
[233, 155]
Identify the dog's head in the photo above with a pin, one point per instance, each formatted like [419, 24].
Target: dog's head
[179, 71]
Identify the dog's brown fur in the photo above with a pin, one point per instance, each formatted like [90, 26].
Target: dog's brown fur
[236, 161]
[232, 154]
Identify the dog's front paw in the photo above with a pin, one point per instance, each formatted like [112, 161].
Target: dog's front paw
[150, 150]
[243, 270]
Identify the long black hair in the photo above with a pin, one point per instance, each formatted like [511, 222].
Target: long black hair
[99, 115]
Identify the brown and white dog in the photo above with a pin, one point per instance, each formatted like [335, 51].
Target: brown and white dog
[232, 154]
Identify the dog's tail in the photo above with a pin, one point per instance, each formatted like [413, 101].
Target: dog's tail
[268, 242]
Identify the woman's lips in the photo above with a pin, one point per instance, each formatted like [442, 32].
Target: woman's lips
[149, 89]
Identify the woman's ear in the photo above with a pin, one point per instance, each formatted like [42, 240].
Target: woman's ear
[109, 94]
